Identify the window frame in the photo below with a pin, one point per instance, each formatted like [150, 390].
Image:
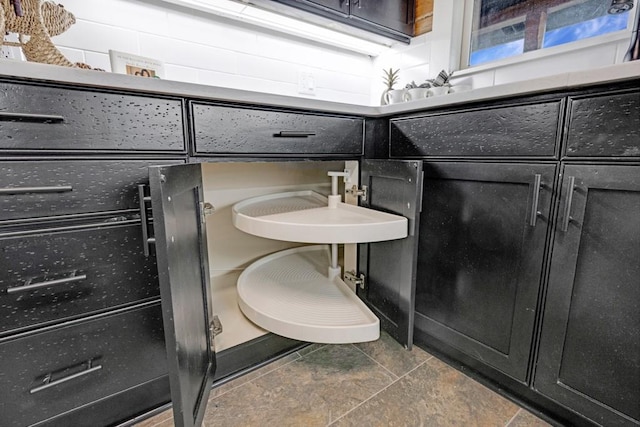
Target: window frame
[538, 53]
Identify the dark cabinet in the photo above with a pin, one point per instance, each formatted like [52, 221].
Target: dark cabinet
[391, 18]
[482, 240]
[224, 130]
[589, 357]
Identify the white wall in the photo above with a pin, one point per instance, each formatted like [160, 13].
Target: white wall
[206, 49]
[441, 49]
[203, 48]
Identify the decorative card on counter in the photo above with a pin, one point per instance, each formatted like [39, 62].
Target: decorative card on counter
[135, 65]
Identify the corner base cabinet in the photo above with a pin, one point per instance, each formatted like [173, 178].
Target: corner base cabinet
[189, 200]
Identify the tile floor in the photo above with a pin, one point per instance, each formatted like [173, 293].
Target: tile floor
[370, 384]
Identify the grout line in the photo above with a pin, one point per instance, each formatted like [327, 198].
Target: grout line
[380, 391]
[311, 352]
[380, 364]
[513, 418]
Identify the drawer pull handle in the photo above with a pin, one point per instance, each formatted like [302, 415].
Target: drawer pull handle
[36, 190]
[146, 240]
[568, 201]
[535, 200]
[32, 118]
[28, 286]
[293, 134]
[48, 383]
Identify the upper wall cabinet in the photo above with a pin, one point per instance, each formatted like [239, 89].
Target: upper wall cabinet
[390, 18]
[43, 119]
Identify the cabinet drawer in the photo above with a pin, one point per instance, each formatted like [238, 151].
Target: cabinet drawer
[81, 271]
[47, 188]
[232, 130]
[38, 118]
[56, 371]
[607, 125]
[520, 130]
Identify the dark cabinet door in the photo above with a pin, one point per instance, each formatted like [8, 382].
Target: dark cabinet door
[337, 5]
[389, 267]
[589, 353]
[480, 258]
[181, 250]
[394, 14]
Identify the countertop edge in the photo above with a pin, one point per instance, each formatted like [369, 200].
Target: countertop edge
[107, 80]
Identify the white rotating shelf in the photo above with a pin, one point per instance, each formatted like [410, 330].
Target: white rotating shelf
[303, 216]
[289, 293]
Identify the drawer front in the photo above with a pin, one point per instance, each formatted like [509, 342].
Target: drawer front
[231, 130]
[35, 118]
[48, 373]
[47, 188]
[521, 130]
[50, 276]
[607, 125]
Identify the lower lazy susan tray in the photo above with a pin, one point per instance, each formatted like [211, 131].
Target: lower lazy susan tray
[289, 293]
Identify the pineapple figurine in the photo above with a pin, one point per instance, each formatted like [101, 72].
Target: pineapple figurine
[390, 78]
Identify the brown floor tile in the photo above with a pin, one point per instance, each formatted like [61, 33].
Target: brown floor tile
[527, 419]
[158, 419]
[434, 394]
[224, 388]
[311, 391]
[393, 356]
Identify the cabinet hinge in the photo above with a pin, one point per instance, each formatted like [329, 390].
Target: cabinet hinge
[215, 328]
[354, 279]
[206, 209]
[358, 192]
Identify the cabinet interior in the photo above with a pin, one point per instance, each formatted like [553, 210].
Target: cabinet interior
[231, 251]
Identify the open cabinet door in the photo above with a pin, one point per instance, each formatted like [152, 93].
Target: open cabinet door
[181, 252]
[389, 267]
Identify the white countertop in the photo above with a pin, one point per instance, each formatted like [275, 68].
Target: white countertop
[43, 72]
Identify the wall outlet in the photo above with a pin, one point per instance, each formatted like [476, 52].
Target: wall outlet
[306, 83]
[10, 52]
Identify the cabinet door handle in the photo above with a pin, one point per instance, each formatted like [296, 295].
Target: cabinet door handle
[294, 134]
[32, 118]
[571, 185]
[143, 200]
[535, 200]
[36, 190]
[28, 286]
[48, 383]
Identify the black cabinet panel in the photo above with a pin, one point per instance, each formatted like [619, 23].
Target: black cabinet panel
[397, 15]
[480, 258]
[82, 270]
[50, 119]
[521, 130]
[48, 373]
[337, 5]
[177, 199]
[589, 358]
[605, 125]
[49, 188]
[232, 130]
[390, 267]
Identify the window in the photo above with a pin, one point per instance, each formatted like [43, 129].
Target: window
[505, 28]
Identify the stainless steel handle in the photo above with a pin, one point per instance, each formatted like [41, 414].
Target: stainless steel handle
[33, 118]
[36, 190]
[294, 134]
[146, 240]
[28, 286]
[535, 200]
[48, 383]
[571, 185]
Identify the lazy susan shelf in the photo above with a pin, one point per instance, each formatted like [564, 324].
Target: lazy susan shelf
[304, 216]
[289, 293]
